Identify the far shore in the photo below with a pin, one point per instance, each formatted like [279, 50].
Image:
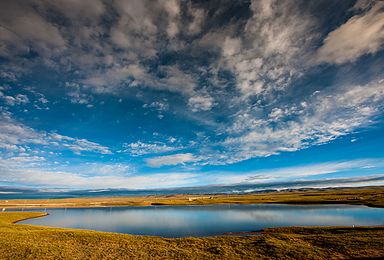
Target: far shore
[372, 196]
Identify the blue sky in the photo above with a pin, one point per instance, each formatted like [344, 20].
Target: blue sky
[181, 95]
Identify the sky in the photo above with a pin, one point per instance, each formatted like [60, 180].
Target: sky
[181, 96]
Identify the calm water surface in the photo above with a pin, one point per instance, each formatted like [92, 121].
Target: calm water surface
[200, 221]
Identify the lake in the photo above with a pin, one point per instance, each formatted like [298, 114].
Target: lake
[202, 221]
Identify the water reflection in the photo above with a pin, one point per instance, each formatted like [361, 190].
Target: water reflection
[183, 221]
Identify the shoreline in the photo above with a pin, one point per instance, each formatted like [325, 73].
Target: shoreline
[40, 216]
[165, 205]
[261, 232]
[368, 196]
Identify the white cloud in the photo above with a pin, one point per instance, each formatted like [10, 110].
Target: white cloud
[231, 46]
[276, 113]
[112, 169]
[160, 106]
[361, 34]
[323, 168]
[177, 80]
[275, 44]
[28, 33]
[107, 65]
[78, 145]
[203, 103]
[81, 145]
[13, 134]
[120, 38]
[173, 9]
[78, 98]
[26, 158]
[56, 136]
[289, 128]
[175, 159]
[104, 169]
[8, 75]
[295, 172]
[72, 180]
[140, 148]
[198, 18]
[75, 95]
[33, 28]
[172, 29]
[43, 100]
[23, 161]
[12, 101]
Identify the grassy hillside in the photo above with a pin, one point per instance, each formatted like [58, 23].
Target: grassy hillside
[32, 242]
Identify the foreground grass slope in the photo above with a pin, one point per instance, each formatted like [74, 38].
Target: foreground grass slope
[33, 242]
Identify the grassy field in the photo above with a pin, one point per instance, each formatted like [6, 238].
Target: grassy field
[34, 242]
[370, 196]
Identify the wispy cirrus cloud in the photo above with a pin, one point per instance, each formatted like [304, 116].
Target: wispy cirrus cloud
[78, 145]
[82, 145]
[72, 180]
[140, 148]
[302, 171]
[362, 34]
[294, 127]
[15, 136]
[174, 159]
[201, 103]
[12, 101]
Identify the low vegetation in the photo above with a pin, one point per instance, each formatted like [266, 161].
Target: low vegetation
[34, 242]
